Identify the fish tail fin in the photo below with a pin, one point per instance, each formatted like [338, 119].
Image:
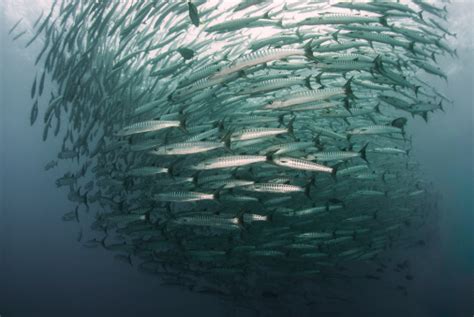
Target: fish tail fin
[171, 170]
[371, 117]
[348, 89]
[307, 190]
[417, 88]
[308, 50]
[347, 105]
[266, 15]
[269, 155]
[307, 82]
[147, 216]
[299, 34]
[348, 137]
[440, 106]
[280, 23]
[217, 194]
[227, 140]
[383, 20]
[363, 153]
[240, 218]
[76, 214]
[317, 142]
[433, 57]
[399, 65]
[195, 178]
[291, 131]
[424, 115]
[377, 108]
[270, 217]
[399, 123]
[411, 47]
[86, 202]
[334, 173]
[378, 64]
[182, 125]
[420, 14]
[102, 242]
[318, 79]
[335, 35]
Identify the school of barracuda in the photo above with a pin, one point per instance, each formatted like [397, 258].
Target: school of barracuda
[253, 141]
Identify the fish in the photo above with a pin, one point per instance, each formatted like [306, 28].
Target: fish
[240, 148]
[148, 126]
[41, 84]
[184, 196]
[186, 148]
[311, 96]
[302, 164]
[260, 57]
[14, 26]
[50, 165]
[33, 88]
[229, 161]
[34, 112]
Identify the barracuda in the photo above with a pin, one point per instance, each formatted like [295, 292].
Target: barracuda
[186, 148]
[222, 143]
[148, 126]
[301, 164]
[260, 57]
[229, 162]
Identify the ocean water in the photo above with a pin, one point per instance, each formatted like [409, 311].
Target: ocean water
[45, 271]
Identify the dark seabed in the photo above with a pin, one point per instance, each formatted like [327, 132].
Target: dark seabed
[44, 271]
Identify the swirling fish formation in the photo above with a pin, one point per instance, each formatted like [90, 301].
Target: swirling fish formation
[239, 141]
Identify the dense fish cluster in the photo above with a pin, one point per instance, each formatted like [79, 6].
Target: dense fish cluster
[253, 141]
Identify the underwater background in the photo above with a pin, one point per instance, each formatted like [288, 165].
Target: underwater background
[44, 271]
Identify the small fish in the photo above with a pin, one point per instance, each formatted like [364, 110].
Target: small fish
[229, 162]
[41, 84]
[15, 25]
[185, 196]
[148, 126]
[50, 165]
[301, 164]
[34, 112]
[186, 148]
[33, 88]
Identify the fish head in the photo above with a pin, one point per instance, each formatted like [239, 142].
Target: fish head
[274, 104]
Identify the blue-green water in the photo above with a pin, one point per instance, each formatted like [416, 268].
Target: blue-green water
[45, 272]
